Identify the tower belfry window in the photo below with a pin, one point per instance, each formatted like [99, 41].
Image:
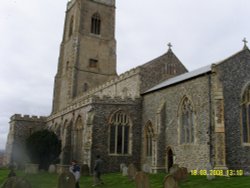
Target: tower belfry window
[96, 24]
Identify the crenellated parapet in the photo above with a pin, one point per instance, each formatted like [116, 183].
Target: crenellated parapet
[20, 117]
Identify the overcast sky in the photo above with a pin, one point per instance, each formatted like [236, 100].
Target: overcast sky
[201, 31]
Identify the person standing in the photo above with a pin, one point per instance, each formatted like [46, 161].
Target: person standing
[98, 171]
[75, 170]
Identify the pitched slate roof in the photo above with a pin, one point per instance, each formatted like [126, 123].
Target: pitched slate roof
[190, 75]
[180, 78]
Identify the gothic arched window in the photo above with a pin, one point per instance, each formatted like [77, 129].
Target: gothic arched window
[245, 115]
[149, 133]
[186, 122]
[96, 24]
[119, 133]
[71, 25]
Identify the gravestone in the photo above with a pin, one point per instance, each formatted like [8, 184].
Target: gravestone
[131, 171]
[184, 172]
[66, 180]
[125, 171]
[31, 168]
[85, 170]
[170, 182]
[141, 180]
[52, 168]
[146, 168]
[16, 182]
[179, 173]
[208, 168]
[121, 166]
[175, 171]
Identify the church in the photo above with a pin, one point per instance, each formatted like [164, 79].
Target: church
[155, 115]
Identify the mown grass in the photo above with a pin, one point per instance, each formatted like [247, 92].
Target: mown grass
[116, 180]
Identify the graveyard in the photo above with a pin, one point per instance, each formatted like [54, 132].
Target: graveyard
[115, 180]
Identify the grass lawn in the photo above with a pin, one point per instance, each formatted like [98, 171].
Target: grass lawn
[116, 180]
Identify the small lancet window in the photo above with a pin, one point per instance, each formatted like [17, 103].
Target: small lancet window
[96, 24]
[71, 25]
[245, 115]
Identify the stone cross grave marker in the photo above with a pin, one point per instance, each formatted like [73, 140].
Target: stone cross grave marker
[170, 182]
[131, 171]
[66, 180]
[142, 180]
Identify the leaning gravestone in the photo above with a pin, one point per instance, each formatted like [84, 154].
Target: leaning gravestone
[66, 180]
[141, 180]
[52, 168]
[131, 171]
[16, 182]
[125, 171]
[170, 182]
[85, 170]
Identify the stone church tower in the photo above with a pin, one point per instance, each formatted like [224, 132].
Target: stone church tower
[88, 50]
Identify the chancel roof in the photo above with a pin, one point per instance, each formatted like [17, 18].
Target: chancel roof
[191, 74]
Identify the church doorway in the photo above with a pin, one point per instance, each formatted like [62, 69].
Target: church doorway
[170, 159]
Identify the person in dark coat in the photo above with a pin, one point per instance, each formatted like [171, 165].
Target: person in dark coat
[98, 171]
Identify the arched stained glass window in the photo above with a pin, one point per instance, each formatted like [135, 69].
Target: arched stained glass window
[119, 133]
[186, 122]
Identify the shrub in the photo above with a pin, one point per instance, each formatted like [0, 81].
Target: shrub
[43, 148]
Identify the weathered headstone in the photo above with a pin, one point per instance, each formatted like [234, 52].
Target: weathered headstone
[184, 172]
[121, 166]
[141, 180]
[16, 182]
[179, 173]
[125, 171]
[146, 168]
[31, 168]
[170, 182]
[175, 171]
[52, 168]
[66, 180]
[208, 168]
[85, 170]
[131, 171]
